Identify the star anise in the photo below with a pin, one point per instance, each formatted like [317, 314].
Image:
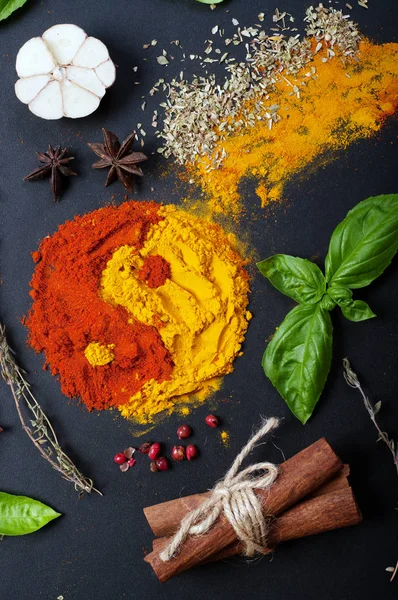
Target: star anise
[122, 162]
[54, 166]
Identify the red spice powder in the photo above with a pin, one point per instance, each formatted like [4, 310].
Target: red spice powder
[155, 271]
[67, 313]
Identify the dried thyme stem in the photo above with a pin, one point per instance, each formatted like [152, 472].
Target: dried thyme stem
[351, 378]
[353, 381]
[42, 433]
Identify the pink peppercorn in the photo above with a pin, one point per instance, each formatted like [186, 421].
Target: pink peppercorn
[154, 451]
[162, 463]
[184, 432]
[191, 452]
[212, 421]
[119, 458]
[178, 453]
[144, 448]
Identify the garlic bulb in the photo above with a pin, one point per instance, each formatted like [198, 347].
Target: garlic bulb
[64, 73]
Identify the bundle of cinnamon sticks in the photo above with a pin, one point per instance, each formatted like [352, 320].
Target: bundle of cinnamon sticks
[311, 495]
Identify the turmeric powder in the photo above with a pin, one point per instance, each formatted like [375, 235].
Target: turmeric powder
[199, 311]
[99, 355]
[341, 103]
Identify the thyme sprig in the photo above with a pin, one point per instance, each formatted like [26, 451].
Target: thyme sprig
[40, 431]
[352, 379]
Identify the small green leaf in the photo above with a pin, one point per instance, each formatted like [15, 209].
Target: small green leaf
[339, 294]
[356, 310]
[353, 310]
[297, 360]
[20, 515]
[364, 243]
[7, 7]
[327, 302]
[295, 277]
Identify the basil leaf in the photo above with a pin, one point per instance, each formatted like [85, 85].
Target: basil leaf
[297, 360]
[356, 310]
[364, 243]
[339, 294]
[353, 310]
[20, 515]
[295, 277]
[327, 302]
[7, 7]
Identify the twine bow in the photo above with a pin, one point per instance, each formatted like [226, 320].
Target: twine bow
[235, 497]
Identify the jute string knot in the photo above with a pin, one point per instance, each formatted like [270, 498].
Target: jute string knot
[235, 497]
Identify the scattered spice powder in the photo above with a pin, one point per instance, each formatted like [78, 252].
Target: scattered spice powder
[225, 438]
[343, 103]
[137, 306]
[292, 102]
[201, 113]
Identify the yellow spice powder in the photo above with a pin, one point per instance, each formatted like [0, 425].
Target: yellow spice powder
[99, 355]
[343, 103]
[200, 311]
[225, 438]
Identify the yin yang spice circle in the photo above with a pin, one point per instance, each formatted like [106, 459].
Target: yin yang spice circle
[138, 307]
[63, 73]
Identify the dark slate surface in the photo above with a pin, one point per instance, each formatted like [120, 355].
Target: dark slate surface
[95, 551]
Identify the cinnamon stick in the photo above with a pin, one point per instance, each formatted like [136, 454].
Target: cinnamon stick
[165, 518]
[333, 510]
[298, 477]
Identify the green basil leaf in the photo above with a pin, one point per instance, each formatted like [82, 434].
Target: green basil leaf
[327, 302]
[353, 310]
[356, 310]
[298, 278]
[297, 360]
[364, 243]
[20, 515]
[7, 7]
[339, 294]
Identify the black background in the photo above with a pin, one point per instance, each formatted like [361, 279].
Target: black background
[95, 551]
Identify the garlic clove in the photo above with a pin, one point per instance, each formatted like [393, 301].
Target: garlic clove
[64, 41]
[27, 89]
[92, 53]
[48, 103]
[34, 58]
[87, 79]
[107, 72]
[77, 102]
